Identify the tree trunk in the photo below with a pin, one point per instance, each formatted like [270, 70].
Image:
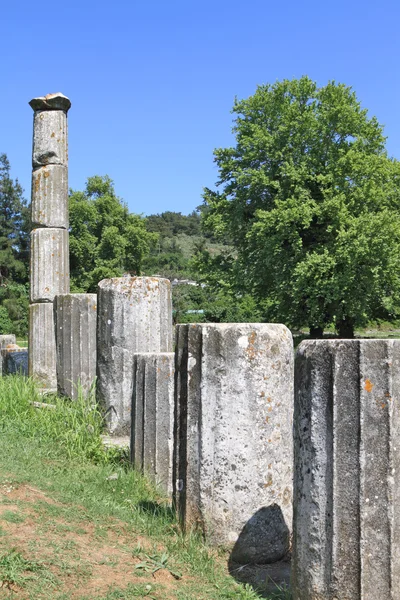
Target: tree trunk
[345, 328]
[316, 332]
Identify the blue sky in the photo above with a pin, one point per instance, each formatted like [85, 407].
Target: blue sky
[152, 83]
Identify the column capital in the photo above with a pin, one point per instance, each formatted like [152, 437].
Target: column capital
[55, 101]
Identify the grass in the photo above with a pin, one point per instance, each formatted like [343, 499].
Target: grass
[22, 343]
[68, 531]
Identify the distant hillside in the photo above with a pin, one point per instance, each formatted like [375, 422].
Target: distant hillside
[180, 237]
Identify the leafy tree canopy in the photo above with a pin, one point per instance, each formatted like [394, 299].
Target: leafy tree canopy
[14, 253]
[171, 223]
[106, 240]
[14, 229]
[310, 201]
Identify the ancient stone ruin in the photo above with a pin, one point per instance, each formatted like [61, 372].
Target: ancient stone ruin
[211, 416]
[49, 270]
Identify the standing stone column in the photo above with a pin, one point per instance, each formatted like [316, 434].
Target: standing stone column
[153, 416]
[49, 269]
[75, 324]
[347, 470]
[134, 316]
[233, 441]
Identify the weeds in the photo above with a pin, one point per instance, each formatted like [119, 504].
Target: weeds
[14, 569]
[157, 562]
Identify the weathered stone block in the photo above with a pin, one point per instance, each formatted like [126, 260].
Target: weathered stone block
[56, 101]
[153, 416]
[49, 264]
[5, 340]
[134, 315]
[75, 325]
[16, 361]
[42, 346]
[50, 138]
[233, 446]
[50, 197]
[347, 470]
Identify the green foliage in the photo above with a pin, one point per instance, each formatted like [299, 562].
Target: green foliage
[310, 201]
[167, 259]
[14, 302]
[14, 233]
[14, 253]
[106, 240]
[169, 223]
[6, 324]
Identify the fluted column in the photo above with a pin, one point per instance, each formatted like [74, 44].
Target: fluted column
[49, 240]
[346, 536]
[75, 320]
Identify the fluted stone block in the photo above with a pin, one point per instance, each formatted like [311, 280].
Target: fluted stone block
[347, 470]
[50, 138]
[134, 315]
[5, 340]
[50, 196]
[49, 264]
[153, 416]
[42, 346]
[75, 325]
[233, 446]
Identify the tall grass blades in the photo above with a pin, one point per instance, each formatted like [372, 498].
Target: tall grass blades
[75, 425]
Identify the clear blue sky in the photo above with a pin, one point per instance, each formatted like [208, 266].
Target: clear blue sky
[152, 83]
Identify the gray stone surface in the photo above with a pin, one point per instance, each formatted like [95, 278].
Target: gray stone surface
[49, 264]
[347, 470]
[55, 101]
[5, 340]
[233, 444]
[134, 315]
[50, 138]
[42, 346]
[16, 361]
[75, 326]
[50, 197]
[153, 416]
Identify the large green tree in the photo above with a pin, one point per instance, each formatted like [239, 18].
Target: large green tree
[106, 240]
[14, 253]
[311, 202]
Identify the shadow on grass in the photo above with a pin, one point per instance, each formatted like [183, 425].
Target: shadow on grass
[157, 510]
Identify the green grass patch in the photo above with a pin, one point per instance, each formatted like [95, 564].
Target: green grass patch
[59, 451]
[12, 517]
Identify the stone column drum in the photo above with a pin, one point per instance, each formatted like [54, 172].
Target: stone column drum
[233, 436]
[134, 316]
[153, 416]
[5, 340]
[49, 240]
[347, 470]
[75, 323]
